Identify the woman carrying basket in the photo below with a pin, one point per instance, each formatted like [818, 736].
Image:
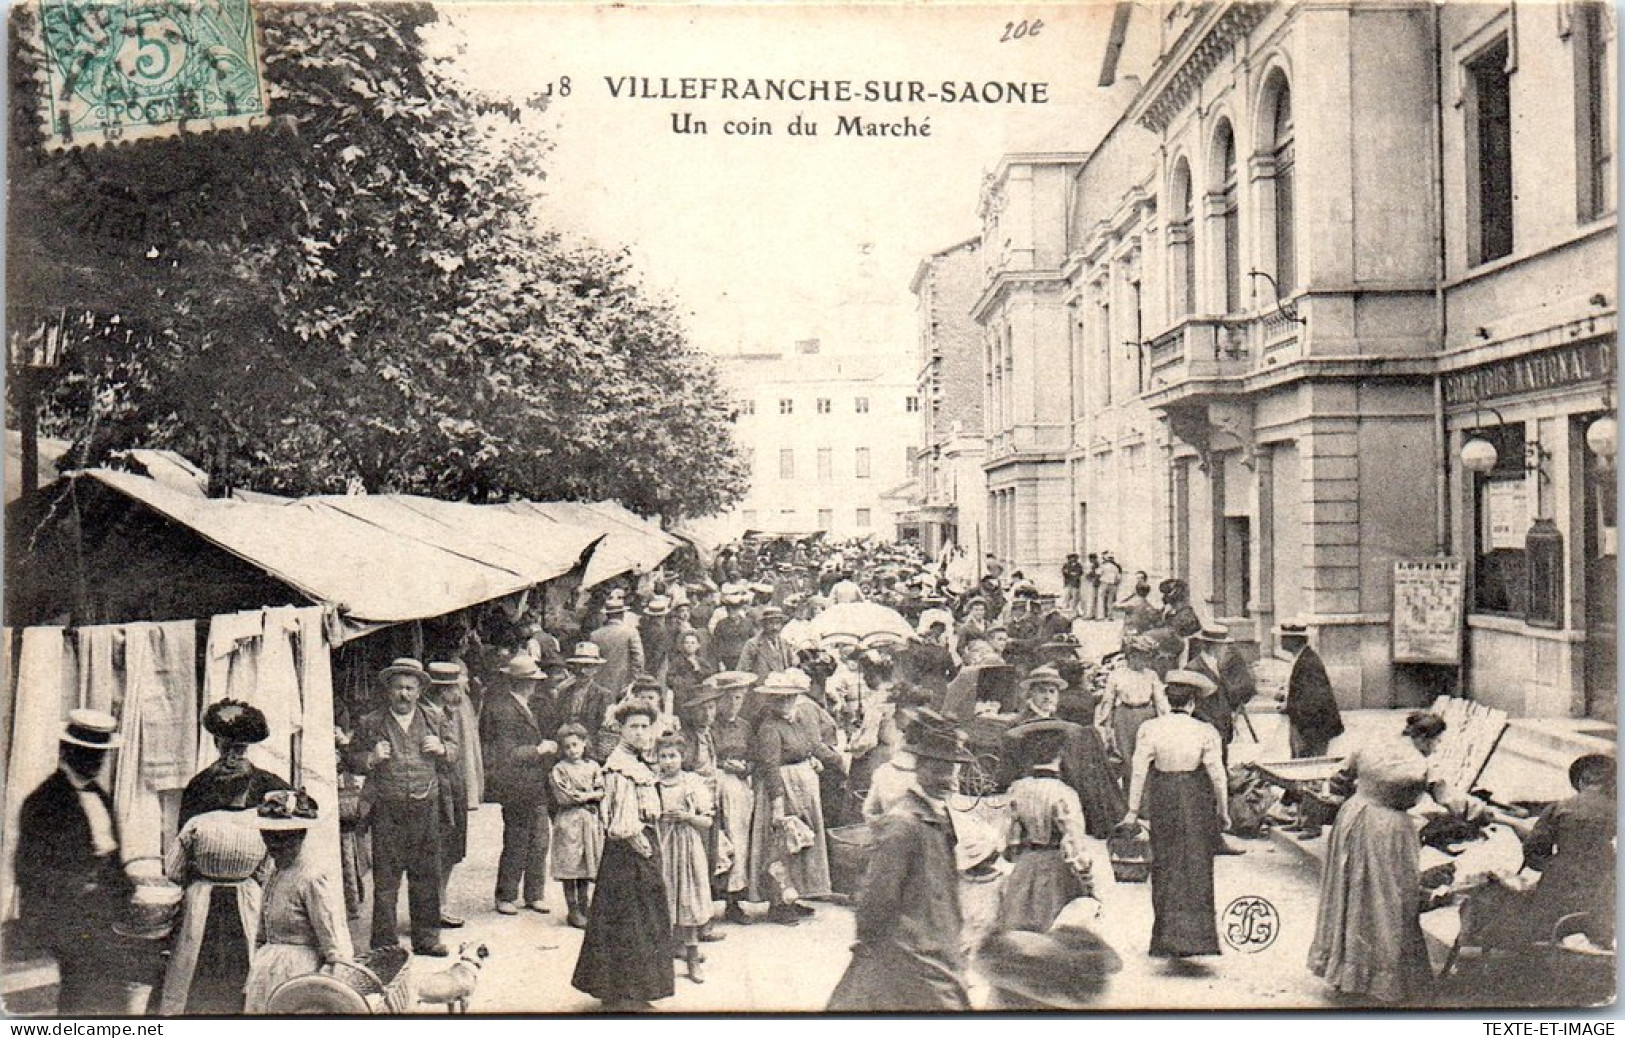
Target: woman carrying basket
[302, 924]
[788, 856]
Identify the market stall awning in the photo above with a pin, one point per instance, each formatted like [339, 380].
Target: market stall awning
[391, 564]
[631, 544]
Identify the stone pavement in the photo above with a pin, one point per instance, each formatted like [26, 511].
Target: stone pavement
[766, 967]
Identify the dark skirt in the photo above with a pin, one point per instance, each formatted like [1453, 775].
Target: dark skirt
[626, 951]
[1095, 781]
[222, 961]
[1184, 821]
[1040, 885]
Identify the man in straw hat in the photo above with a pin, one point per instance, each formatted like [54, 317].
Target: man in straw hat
[1213, 655]
[620, 644]
[517, 727]
[767, 650]
[463, 784]
[583, 699]
[908, 956]
[403, 748]
[71, 885]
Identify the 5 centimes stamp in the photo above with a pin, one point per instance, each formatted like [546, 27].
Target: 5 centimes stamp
[120, 70]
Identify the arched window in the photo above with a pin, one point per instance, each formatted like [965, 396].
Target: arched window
[1279, 111]
[1228, 215]
[1181, 244]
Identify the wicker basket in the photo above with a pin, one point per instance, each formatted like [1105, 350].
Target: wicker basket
[1130, 849]
[849, 849]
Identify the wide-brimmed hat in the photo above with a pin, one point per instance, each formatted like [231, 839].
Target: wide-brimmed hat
[790, 682]
[1045, 676]
[941, 742]
[1213, 631]
[771, 613]
[1172, 586]
[1037, 727]
[405, 665]
[522, 667]
[1066, 642]
[699, 695]
[236, 721]
[92, 729]
[659, 605]
[1190, 678]
[284, 810]
[587, 653]
[445, 673]
[730, 680]
[1294, 628]
[1066, 968]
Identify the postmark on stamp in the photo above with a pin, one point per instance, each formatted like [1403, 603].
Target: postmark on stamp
[121, 70]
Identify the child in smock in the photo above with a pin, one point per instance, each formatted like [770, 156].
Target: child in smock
[578, 831]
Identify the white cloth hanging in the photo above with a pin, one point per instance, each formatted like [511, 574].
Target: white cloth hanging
[46, 689]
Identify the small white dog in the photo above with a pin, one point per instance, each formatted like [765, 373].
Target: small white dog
[453, 986]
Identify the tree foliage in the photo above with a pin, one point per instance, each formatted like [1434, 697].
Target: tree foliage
[357, 296]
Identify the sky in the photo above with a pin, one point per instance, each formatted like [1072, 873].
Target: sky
[765, 240]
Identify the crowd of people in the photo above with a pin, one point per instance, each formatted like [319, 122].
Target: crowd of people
[679, 756]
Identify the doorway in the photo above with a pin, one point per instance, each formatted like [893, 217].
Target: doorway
[1601, 547]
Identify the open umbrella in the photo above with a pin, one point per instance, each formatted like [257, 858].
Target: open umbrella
[853, 622]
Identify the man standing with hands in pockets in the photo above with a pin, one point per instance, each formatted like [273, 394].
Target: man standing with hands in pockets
[401, 748]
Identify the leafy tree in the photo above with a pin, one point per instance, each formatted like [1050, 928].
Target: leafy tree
[357, 295]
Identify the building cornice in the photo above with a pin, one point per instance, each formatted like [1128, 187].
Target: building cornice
[1196, 54]
[1008, 279]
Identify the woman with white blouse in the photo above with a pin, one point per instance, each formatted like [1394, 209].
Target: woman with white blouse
[1178, 776]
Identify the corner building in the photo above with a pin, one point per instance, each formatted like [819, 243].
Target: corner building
[1309, 229]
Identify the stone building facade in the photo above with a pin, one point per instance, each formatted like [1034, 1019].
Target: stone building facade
[950, 500]
[1324, 246]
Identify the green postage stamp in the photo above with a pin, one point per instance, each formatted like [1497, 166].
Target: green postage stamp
[121, 70]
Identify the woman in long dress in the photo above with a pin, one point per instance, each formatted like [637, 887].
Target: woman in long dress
[1179, 777]
[1368, 931]
[625, 959]
[219, 858]
[686, 810]
[788, 856]
[1046, 836]
[736, 799]
[302, 924]
[1133, 696]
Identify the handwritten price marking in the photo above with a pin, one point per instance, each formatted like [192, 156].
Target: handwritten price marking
[1021, 29]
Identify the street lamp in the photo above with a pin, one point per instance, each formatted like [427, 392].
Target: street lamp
[27, 360]
[1602, 436]
[1479, 455]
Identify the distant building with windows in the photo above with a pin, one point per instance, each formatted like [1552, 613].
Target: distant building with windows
[1337, 290]
[948, 495]
[827, 435]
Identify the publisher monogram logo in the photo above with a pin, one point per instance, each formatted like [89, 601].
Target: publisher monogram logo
[1249, 924]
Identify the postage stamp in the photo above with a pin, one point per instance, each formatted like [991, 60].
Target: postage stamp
[121, 70]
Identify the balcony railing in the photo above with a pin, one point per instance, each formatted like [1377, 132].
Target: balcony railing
[1215, 350]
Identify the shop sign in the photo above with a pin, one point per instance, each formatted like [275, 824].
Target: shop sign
[1569, 365]
[1428, 603]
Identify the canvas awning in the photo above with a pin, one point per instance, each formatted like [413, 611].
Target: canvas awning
[631, 544]
[379, 560]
